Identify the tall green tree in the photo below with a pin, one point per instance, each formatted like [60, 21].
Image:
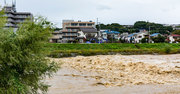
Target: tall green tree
[176, 32]
[23, 62]
[159, 39]
[154, 27]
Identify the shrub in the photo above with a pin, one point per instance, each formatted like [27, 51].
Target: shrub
[23, 62]
[159, 39]
[167, 49]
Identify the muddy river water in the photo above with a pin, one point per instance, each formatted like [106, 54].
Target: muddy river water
[117, 74]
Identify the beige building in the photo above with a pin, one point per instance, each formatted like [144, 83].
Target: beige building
[72, 30]
[74, 24]
[56, 37]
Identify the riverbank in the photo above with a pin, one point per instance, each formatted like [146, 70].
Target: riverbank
[118, 73]
[72, 50]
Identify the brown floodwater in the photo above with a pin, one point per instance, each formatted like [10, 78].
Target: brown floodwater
[117, 74]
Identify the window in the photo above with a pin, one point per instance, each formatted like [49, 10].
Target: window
[74, 30]
[90, 24]
[69, 30]
[74, 24]
[82, 24]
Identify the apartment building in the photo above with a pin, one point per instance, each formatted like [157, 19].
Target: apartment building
[14, 18]
[72, 30]
[56, 37]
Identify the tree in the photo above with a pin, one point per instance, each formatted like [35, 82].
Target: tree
[155, 28]
[176, 32]
[159, 39]
[113, 27]
[145, 40]
[23, 62]
[140, 25]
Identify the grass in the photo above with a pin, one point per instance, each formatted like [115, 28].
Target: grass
[65, 50]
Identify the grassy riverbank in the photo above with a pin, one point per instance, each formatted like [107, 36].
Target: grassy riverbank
[65, 50]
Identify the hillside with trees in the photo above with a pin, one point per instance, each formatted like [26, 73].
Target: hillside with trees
[176, 32]
[154, 27]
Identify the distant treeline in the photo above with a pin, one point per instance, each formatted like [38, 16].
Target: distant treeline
[154, 27]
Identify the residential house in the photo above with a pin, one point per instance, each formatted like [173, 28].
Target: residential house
[131, 38]
[104, 35]
[174, 38]
[112, 34]
[155, 35]
[136, 37]
[142, 34]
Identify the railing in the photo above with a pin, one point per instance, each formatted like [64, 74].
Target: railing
[22, 17]
[69, 31]
[66, 39]
[69, 34]
[10, 20]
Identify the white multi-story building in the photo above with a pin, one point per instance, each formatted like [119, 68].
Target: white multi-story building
[14, 18]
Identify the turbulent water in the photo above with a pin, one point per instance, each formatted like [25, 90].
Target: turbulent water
[110, 70]
[122, 71]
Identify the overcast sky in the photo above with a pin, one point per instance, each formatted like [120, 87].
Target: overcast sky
[108, 11]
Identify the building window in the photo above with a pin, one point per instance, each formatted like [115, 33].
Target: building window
[82, 24]
[74, 30]
[90, 24]
[74, 24]
[69, 30]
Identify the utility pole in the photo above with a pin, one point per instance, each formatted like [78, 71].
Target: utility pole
[98, 24]
[149, 33]
[5, 2]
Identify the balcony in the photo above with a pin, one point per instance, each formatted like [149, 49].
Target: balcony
[9, 15]
[10, 25]
[68, 39]
[70, 34]
[57, 37]
[21, 17]
[19, 21]
[69, 26]
[10, 20]
[64, 31]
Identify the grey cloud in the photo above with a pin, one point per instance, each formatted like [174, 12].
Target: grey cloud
[108, 11]
[103, 7]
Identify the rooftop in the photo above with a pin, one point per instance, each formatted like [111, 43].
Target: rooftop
[155, 34]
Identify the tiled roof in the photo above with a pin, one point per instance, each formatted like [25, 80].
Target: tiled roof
[175, 35]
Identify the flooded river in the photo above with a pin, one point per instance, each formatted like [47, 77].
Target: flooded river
[117, 74]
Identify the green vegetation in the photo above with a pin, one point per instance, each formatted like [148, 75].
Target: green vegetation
[23, 62]
[176, 32]
[167, 49]
[159, 39]
[117, 27]
[65, 50]
[155, 28]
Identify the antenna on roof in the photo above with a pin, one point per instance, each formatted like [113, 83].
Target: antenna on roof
[4, 2]
[14, 3]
